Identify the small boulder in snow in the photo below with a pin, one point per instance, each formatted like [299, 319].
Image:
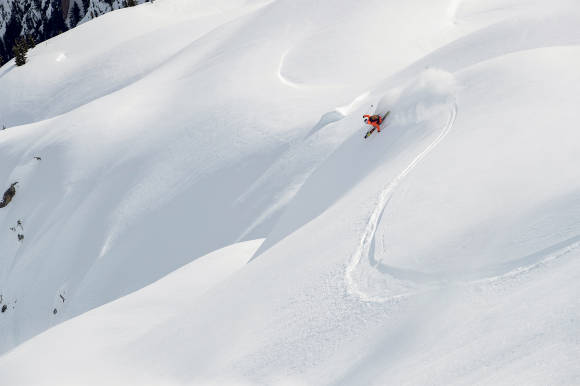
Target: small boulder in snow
[8, 195]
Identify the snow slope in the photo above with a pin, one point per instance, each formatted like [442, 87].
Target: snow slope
[444, 250]
[155, 304]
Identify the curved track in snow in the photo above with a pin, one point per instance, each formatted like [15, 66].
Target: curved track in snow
[364, 248]
[281, 76]
[385, 283]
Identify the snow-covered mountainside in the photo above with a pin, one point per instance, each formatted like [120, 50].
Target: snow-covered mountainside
[43, 19]
[193, 202]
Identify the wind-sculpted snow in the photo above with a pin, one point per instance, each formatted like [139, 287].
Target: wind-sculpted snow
[503, 38]
[443, 250]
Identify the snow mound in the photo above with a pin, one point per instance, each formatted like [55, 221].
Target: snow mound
[131, 319]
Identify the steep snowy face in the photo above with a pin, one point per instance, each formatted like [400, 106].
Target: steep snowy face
[184, 131]
[207, 160]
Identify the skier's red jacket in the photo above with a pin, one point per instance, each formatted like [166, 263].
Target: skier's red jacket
[374, 120]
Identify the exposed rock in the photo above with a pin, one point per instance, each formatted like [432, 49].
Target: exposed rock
[8, 195]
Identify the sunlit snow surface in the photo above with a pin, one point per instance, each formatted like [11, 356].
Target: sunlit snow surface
[206, 212]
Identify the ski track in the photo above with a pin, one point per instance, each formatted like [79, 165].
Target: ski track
[368, 236]
[365, 246]
[282, 78]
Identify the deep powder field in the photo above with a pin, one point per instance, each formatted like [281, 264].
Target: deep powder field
[187, 197]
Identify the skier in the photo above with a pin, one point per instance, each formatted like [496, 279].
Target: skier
[374, 120]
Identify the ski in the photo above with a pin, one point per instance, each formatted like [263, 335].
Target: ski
[369, 132]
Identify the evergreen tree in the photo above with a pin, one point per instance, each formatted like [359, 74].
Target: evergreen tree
[75, 15]
[3, 54]
[37, 4]
[20, 50]
[43, 31]
[55, 24]
[86, 4]
[30, 42]
[13, 31]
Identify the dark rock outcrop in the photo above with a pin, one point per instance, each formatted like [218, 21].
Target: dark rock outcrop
[8, 195]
